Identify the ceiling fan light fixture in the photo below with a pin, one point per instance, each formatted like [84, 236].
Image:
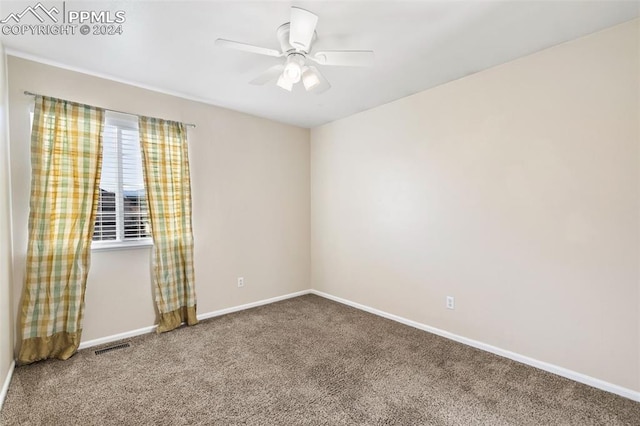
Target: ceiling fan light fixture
[293, 68]
[284, 82]
[310, 79]
[292, 73]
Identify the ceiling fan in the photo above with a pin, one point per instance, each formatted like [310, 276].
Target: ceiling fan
[296, 40]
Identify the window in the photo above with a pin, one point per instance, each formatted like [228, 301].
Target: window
[123, 213]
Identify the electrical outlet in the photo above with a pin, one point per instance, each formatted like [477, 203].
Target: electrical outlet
[451, 302]
[240, 282]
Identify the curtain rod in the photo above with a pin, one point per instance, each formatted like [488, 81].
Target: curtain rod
[26, 92]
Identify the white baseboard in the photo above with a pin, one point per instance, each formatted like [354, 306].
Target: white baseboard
[151, 328]
[551, 368]
[252, 305]
[5, 385]
[116, 337]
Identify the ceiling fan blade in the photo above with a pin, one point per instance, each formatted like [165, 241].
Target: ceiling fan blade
[314, 81]
[302, 27]
[270, 74]
[345, 58]
[247, 47]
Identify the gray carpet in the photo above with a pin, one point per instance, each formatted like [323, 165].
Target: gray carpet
[303, 361]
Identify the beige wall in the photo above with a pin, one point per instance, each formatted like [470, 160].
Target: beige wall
[516, 190]
[250, 185]
[6, 329]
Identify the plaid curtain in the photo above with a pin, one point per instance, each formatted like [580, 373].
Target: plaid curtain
[166, 172]
[66, 157]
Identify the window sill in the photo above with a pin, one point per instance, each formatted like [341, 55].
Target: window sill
[120, 245]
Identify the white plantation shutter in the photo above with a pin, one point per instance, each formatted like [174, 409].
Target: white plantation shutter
[123, 214]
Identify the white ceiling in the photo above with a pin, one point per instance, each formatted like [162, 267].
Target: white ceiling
[169, 46]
